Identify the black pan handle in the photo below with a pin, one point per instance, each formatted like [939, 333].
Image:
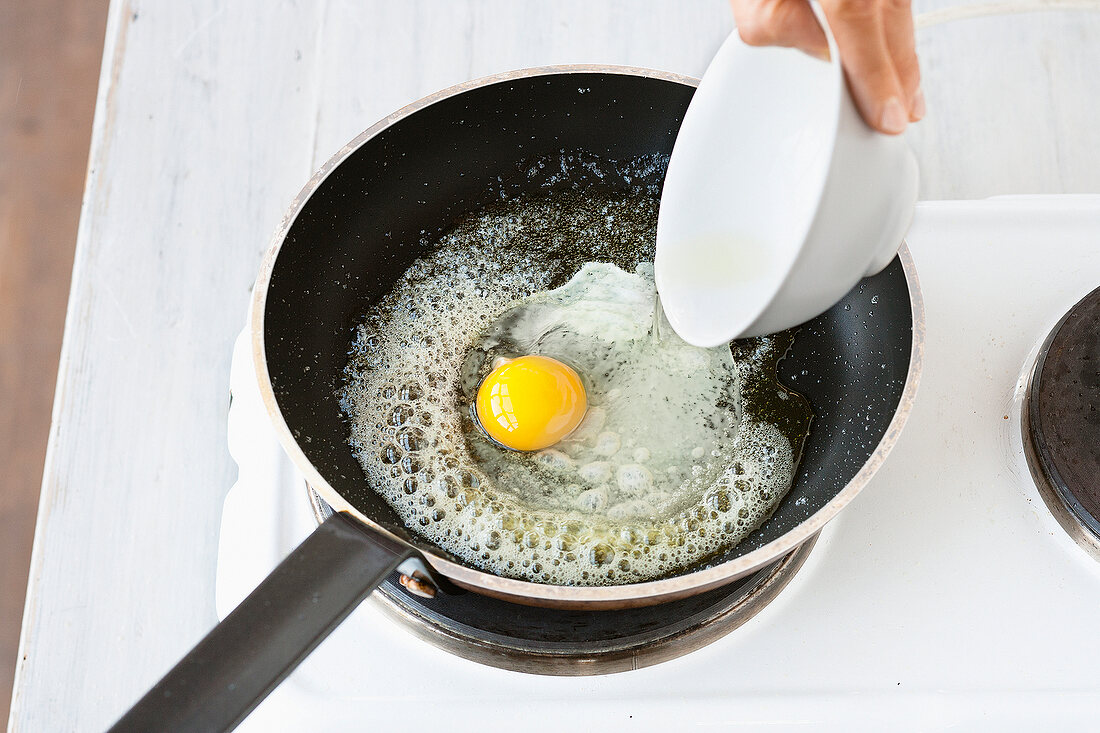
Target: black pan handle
[242, 660]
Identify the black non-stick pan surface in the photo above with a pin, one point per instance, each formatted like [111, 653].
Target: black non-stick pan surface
[360, 229]
[364, 218]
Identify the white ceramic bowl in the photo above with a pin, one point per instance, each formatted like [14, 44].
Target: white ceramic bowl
[778, 197]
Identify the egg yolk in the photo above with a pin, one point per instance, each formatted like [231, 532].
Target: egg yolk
[530, 403]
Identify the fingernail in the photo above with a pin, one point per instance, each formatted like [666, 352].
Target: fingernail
[917, 110]
[894, 116]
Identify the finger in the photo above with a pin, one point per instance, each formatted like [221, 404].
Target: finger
[861, 40]
[780, 23]
[897, 23]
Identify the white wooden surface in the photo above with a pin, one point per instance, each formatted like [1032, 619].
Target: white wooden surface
[210, 117]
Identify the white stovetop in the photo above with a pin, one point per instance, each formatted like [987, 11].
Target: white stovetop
[945, 595]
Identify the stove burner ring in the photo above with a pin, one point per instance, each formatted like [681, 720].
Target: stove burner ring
[574, 643]
[1061, 422]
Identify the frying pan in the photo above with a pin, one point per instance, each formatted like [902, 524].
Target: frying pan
[354, 229]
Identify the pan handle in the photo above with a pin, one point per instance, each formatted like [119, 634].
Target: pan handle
[264, 638]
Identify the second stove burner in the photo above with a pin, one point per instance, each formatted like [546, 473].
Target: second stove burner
[1061, 421]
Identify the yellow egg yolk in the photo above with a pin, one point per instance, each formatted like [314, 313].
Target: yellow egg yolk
[530, 403]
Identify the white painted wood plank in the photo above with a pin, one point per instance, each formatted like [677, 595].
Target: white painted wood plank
[210, 117]
[203, 133]
[366, 75]
[1012, 106]
[1010, 97]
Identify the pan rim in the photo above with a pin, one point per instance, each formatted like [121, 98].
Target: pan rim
[538, 593]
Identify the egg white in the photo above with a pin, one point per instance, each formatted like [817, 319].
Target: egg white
[661, 413]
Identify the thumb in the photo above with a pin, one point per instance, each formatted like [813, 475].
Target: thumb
[780, 23]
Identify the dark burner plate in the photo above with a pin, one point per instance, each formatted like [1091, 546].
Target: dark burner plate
[1061, 420]
[563, 642]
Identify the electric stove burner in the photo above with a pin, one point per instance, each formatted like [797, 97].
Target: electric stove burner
[1061, 422]
[564, 642]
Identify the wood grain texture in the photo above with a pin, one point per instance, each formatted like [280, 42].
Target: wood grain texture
[200, 139]
[210, 117]
[49, 59]
[1010, 102]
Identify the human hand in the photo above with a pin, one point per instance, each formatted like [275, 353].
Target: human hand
[876, 43]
